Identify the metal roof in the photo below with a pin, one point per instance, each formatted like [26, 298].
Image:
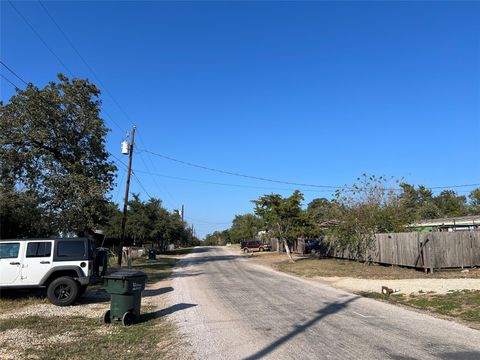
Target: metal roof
[459, 220]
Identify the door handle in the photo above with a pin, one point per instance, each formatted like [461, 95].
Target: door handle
[44, 262]
[14, 263]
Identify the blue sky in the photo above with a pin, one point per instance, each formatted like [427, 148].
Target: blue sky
[314, 93]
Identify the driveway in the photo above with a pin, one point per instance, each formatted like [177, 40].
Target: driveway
[228, 308]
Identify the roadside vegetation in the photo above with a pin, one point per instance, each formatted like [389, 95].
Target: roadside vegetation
[463, 306]
[36, 329]
[351, 218]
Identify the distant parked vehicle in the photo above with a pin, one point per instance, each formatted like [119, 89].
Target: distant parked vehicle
[312, 246]
[254, 245]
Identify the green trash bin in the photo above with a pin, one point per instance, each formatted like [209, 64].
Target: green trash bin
[125, 288]
[152, 254]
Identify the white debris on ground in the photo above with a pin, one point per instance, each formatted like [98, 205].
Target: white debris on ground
[405, 286]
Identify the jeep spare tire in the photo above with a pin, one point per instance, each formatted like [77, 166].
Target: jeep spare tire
[63, 291]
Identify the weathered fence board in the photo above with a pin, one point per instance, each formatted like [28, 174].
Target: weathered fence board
[435, 250]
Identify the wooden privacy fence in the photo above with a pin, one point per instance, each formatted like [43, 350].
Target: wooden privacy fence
[434, 250]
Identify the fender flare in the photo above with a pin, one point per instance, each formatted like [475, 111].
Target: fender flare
[53, 270]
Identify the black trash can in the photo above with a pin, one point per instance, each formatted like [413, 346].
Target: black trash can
[152, 254]
[125, 288]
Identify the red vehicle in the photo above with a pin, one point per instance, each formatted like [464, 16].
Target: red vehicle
[254, 245]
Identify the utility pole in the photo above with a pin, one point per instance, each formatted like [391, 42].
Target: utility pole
[182, 211]
[125, 201]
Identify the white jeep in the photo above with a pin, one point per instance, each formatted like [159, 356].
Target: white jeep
[63, 266]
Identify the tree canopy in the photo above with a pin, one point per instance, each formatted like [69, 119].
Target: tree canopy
[53, 159]
[283, 217]
[149, 222]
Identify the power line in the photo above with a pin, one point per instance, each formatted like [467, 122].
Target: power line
[13, 72]
[9, 81]
[196, 220]
[241, 175]
[159, 188]
[70, 42]
[229, 184]
[40, 37]
[231, 173]
[141, 185]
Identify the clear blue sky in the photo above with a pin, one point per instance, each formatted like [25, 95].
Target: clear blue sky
[306, 92]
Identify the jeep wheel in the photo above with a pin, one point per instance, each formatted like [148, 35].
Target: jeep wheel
[245, 250]
[63, 291]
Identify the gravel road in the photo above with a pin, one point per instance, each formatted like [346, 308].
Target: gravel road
[228, 308]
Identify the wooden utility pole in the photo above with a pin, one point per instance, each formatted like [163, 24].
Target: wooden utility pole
[125, 201]
[183, 209]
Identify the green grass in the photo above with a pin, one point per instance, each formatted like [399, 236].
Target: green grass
[79, 337]
[463, 305]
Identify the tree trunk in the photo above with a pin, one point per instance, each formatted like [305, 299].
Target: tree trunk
[287, 248]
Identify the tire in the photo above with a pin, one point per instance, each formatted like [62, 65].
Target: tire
[128, 319]
[63, 291]
[262, 249]
[106, 317]
[245, 250]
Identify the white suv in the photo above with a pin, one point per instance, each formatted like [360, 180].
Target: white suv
[63, 266]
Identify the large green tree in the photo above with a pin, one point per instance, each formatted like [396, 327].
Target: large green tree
[149, 222]
[245, 227]
[474, 202]
[283, 217]
[52, 144]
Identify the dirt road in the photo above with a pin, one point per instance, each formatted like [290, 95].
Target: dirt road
[229, 308]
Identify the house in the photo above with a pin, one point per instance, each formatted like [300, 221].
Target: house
[460, 223]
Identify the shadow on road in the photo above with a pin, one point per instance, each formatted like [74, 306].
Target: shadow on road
[165, 312]
[460, 355]
[181, 274]
[155, 292]
[192, 261]
[322, 313]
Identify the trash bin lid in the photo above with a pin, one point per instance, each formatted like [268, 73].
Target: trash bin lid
[126, 274]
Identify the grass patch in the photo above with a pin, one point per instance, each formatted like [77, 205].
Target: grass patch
[463, 305]
[347, 268]
[83, 338]
[156, 270]
[11, 300]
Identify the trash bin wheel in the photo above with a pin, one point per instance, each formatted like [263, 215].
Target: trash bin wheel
[106, 317]
[128, 319]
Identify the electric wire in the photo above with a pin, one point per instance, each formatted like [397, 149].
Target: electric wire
[9, 81]
[231, 173]
[13, 72]
[40, 37]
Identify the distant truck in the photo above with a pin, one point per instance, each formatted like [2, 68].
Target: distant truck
[63, 266]
[254, 245]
